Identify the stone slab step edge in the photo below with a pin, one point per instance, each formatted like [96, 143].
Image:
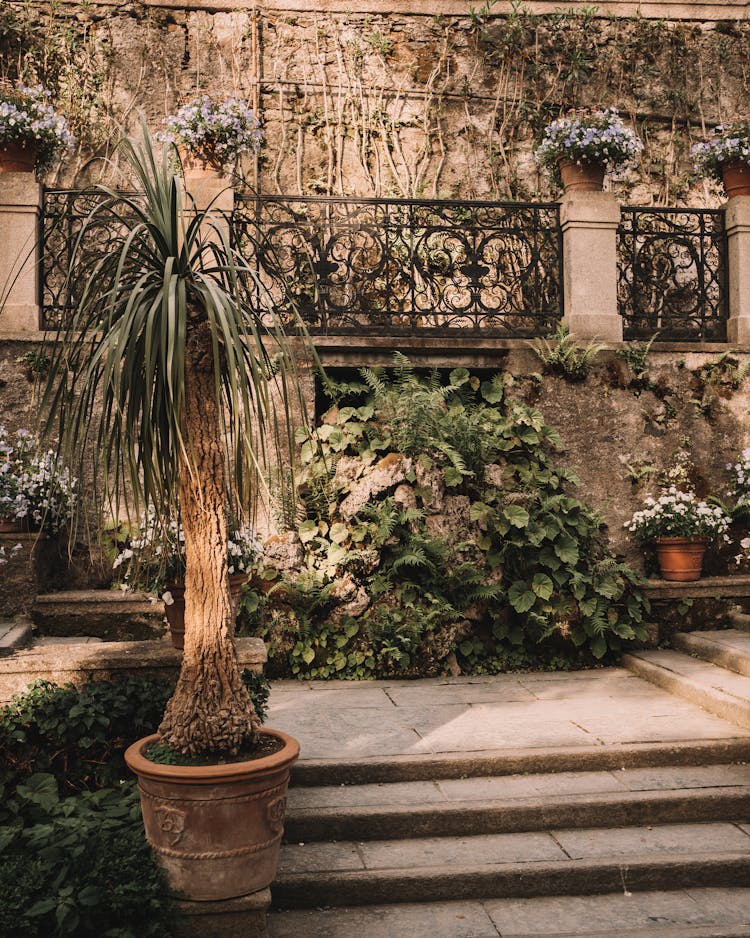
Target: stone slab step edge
[515, 815]
[484, 763]
[517, 880]
[726, 706]
[718, 653]
[656, 931]
[15, 634]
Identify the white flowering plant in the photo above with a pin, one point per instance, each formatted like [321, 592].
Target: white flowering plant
[217, 132]
[678, 514]
[34, 488]
[154, 555]
[589, 136]
[740, 483]
[4, 553]
[28, 118]
[727, 142]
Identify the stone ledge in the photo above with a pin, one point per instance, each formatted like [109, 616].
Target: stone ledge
[111, 615]
[77, 663]
[711, 10]
[709, 587]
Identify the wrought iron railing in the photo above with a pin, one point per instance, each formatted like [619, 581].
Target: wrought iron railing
[672, 278]
[63, 214]
[397, 266]
[364, 266]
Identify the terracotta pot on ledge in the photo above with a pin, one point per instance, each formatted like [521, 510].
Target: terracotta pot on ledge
[736, 175]
[582, 177]
[17, 158]
[175, 611]
[680, 558]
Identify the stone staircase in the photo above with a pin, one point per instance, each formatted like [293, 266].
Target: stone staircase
[656, 844]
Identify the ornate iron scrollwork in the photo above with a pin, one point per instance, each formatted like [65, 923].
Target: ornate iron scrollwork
[672, 273]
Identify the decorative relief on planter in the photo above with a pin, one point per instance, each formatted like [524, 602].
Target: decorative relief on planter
[171, 822]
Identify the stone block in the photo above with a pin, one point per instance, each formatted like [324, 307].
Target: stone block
[243, 917]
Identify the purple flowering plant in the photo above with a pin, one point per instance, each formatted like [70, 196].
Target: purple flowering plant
[589, 136]
[217, 132]
[727, 142]
[27, 117]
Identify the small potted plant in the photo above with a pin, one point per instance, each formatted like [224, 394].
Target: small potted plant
[36, 493]
[31, 131]
[725, 156]
[211, 135]
[680, 527]
[585, 144]
[153, 560]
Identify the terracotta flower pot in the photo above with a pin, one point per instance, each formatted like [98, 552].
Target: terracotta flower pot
[216, 829]
[680, 558]
[582, 177]
[11, 525]
[175, 611]
[736, 175]
[197, 166]
[16, 158]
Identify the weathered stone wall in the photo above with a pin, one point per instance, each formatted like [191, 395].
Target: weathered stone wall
[618, 430]
[359, 100]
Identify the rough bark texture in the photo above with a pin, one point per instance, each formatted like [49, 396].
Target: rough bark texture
[211, 710]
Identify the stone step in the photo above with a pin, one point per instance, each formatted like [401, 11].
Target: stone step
[713, 688]
[112, 615]
[14, 634]
[603, 757]
[727, 648]
[519, 865]
[740, 620]
[515, 803]
[690, 913]
[78, 662]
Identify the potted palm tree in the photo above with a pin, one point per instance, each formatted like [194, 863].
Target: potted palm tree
[169, 377]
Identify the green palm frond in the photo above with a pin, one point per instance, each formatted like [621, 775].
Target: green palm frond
[117, 374]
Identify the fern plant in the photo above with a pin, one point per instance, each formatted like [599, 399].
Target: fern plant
[561, 355]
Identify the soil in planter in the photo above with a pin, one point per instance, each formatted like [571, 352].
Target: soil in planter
[162, 754]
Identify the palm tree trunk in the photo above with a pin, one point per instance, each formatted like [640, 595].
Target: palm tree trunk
[210, 710]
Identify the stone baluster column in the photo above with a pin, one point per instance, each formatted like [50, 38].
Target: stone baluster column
[738, 272]
[20, 212]
[589, 222]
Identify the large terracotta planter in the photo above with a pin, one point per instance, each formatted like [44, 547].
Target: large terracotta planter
[175, 611]
[15, 158]
[582, 177]
[736, 174]
[680, 558]
[216, 830]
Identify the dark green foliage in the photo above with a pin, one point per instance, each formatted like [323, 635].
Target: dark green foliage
[78, 866]
[477, 554]
[79, 736]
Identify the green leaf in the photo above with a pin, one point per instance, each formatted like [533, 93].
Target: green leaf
[516, 515]
[566, 549]
[542, 585]
[339, 532]
[308, 655]
[452, 476]
[307, 531]
[492, 391]
[520, 596]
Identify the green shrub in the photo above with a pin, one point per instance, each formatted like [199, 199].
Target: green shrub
[475, 553]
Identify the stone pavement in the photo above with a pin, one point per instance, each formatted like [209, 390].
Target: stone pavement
[579, 710]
